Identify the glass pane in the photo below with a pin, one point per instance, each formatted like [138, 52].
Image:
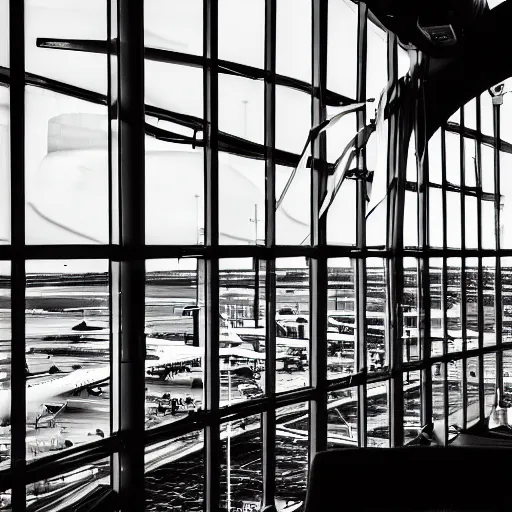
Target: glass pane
[174, 25]
[488, 225]
[5, 168]
[293, 122]
[343, 209]
[487, 166]
[438, 409]
[470, 114]
[454, 299]
[242, 201]
[340, 318]
[68, 354]
[435, 158]
[4, 30]
[342, 418]
[412, 405]
[242, 31]
[376, 225]
[436, 306]
[377, 61]
[175, 473]
[293, 37]
[453, 220]
[452, 158]
[507, 375]
[378, 414]
[292, 434]
[342, 47]
[410, 312]
[175, 207]
[470, 164]
[241, 472]
[75, 490]
[472, 376]
[471, 221]
[241, 107]
[471, 287]
[436, 217]
[242, 341]
[293, 119]
[410, 228]
[489, 382]
[66, 19]
[292, 318]
[489, 276]
[5, 364]
[376, 338]
[455, 393]
[505, 198]
[66, 170]
[506, 294]
[174, 342]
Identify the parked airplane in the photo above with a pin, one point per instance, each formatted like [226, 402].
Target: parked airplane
[40, 395]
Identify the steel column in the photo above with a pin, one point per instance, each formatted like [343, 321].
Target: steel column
[211, 187]
[269, 417]
[17, 222]
[129, 271]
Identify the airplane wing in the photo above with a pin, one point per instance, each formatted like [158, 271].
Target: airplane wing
[175, 354]
[242, 353]
[41, 392]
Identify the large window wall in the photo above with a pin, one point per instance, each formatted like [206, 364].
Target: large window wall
[199, 290]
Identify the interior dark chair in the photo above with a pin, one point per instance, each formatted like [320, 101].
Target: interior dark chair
[410, 478]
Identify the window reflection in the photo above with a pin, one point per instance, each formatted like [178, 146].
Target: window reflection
[291, 472]
[66, 170]
[377, 420]
[342, 418]
[79, 488]
[175, 473]
[412, 405]
[241, 472]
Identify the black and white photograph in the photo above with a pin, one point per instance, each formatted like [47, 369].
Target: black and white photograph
[255, 255]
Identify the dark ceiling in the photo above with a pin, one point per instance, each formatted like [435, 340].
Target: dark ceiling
[480, 58]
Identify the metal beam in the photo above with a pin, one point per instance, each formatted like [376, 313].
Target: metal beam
[17, 223]
[211, 222]
[318, 264]
[269, 416]
[360, 263]
[128, 272]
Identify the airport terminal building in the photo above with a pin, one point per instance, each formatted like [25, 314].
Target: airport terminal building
[235, 234]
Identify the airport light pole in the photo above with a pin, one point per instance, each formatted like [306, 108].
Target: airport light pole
[256, 271]
[197, 218]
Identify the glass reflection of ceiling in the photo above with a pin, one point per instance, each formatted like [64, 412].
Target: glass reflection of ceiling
[176, 26]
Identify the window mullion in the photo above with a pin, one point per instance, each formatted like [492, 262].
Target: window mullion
[269, 417]
[129, 271]
[318, 264]
[360, 263]
[497, 232]
[17, 136]
[211, 222]
[394, 273]
[480, 289]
